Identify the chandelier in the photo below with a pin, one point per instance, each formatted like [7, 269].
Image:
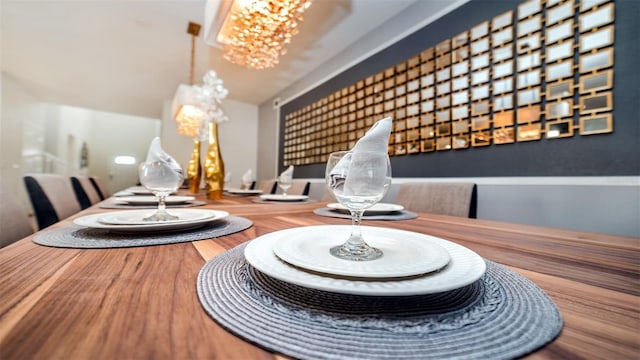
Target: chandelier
[188, 114]
[254, 33]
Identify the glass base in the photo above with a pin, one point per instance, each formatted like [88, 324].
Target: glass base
[359, 253]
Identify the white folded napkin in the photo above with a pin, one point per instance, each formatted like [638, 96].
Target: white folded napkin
[166, 170]
[374, 142]
[247, 179]
[287, 175]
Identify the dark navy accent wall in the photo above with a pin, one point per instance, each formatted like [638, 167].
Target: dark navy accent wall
[613, 154]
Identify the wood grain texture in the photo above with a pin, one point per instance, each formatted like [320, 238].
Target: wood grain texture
[142, 302]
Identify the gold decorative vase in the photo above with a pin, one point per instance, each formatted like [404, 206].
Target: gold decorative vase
[194, 171]
[213, 165]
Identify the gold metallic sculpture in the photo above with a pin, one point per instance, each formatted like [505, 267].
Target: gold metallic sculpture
[213, 165]
[194, 170]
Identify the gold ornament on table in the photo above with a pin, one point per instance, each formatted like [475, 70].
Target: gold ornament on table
[194, 170]
[214, 165]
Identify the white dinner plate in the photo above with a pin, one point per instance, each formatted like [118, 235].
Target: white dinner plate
[404, 254]
[244, 191]
[152, 200]
[136, 217]
[93, 221]
[379, 208]
[464, 268]
[280, 197]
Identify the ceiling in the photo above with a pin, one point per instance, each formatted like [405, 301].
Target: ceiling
[128, 56]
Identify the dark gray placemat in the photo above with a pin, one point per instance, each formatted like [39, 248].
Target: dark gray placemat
[396, 215]
[501, 316]
[260, 201]
[75, 236]
[111, 204]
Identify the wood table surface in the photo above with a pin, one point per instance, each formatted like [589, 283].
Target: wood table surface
[141, 302]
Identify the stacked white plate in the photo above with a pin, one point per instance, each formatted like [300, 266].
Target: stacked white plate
[284, 198]
[243, 191]
[412, 264]
[377, 209]
[153, 200]
[133, 220]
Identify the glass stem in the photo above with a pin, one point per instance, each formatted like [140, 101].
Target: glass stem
[161, 204]
[355, 239]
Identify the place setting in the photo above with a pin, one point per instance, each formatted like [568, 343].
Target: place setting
[285, 181]
[161, 175]
[245, 189]
[352, 291]
[150, 202]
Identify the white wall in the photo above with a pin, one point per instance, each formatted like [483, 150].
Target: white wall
[238, 139]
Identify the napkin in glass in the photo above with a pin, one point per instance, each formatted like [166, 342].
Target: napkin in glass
[358, 162]
[287, 175]
[247, 180]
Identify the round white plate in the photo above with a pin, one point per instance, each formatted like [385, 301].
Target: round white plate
[244, 191]
[140, 190]
[404, 253]
[93, 221]
[280, 197]
[464, 268]
[135, 217]
[379, 208]
[152, 200]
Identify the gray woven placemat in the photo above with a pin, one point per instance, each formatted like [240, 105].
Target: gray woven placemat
[111, 204]
[397, 215]
[75, 236]
[501, 316]
[260, 201]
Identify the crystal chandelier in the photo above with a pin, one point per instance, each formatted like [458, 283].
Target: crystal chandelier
[255, 32]
[187, 112]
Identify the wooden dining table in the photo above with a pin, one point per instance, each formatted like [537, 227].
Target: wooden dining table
[141, 302]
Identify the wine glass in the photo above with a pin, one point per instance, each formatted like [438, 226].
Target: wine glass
[161, 176]
[284, 182]
[358, 180]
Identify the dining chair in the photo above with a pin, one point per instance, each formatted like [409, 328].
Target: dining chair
[86, 193]
[457, 199]
[268, 186]
[15, 223]
[97, 184]
[52, 198]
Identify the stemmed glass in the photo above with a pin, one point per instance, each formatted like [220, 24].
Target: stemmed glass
[284, 182]
[358, 180]
[162, 177]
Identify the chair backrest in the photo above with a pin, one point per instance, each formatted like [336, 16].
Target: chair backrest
[97, 184]
[52, 198]
[267, 186]
[14, 219]
[86, 193]
[457, 199]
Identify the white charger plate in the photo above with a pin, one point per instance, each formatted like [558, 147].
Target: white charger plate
[244, 191]
[136, 217]
[281, 197]
[379, 208]
[152, 200]
[404, 253]
[464, 268]
[93, 221]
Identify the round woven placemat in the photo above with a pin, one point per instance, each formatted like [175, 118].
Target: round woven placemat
[75, 236]
[501, 316]
[398, 215]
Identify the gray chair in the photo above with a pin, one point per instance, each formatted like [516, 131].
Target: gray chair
[52, 198]
[85, 191]
[99, 186]
[457, 199]
[267, 186]
[15, 223]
